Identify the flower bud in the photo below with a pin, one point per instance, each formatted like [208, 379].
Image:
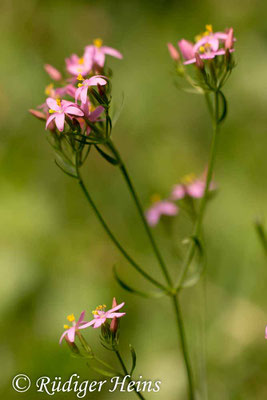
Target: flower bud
[199, 61]
[173, 52]
[53, 72]
[114, 323]
[38, 114]
[229, 41]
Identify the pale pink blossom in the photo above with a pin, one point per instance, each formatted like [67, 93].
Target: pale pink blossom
[159, 208]
[97, 53]
[173, 52]
[70, 332]
[192, 187]
[100, 315]
[83, 87]
[53, 72]
[59, 109]
[208, 45]
[79, 65]
[266, 332]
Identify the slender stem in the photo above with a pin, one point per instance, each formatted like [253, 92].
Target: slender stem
[181, 330]
[111, 235]
[198, 224]
[141, 212]
[127, 373]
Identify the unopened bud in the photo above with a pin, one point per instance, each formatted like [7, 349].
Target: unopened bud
[38, 114]
[199, 61]
[114, 323]
[53, 72]
[173, 52]
[229, 41]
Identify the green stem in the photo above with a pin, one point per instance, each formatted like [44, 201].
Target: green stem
[127, 373]
[198, 224]
[141, 212]
[110, 233]
[181, 330]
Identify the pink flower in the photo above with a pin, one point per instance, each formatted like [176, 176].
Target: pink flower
[59, 109]
[38, 114]
[100, 315]
[82, 90]
[159, 208]
[192, 187]
[266, 332]
[53, 72]
[173, 52]
[91, 114]
[76, 65]
[208, 45]
[97, 53]
[71, 332]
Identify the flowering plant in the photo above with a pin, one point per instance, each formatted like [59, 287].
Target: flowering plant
[77, 116]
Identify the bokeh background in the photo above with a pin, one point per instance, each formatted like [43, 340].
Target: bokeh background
[55, 258]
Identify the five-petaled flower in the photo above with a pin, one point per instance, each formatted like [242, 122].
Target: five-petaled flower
[159, 208]
[71, 331]
[97, 53]
[100, 315]
[79, 65]
[84, 85]
[208, 45]
[60, 108]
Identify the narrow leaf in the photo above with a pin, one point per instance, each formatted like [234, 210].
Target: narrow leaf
[106, 156]
[133, 354]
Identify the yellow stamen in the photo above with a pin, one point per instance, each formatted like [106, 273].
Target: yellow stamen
[189, 178]
[155, 198]
[98, 42]
[81, 60]
[80, 84]
[71, 318]
[80, 78]
[99, 308]
[52, 111]
[202, 49]
[58, 102]
[66, 327]
[209, 28]
[49, 89]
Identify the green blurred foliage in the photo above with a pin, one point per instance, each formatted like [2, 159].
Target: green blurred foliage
[56, 259]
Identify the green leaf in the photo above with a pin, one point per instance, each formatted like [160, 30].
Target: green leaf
[133, 354]
[106, 156]
[128, 288]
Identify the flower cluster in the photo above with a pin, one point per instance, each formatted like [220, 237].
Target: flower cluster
[205, 53]
[189, 187]
[70, 102]
[100, 318]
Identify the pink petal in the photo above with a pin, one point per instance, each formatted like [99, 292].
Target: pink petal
[99, 57]
[81, 318]
[118, 307]
[53, 116]
[96, 80]
[152, 216]
[84, 94]
[71, 334]
[186, 48]
[196, 189]
[52, 104]
[59, 120]
[74, 111]
[168, 208]
[96, 113]
[78, 93]
[62, 336]
[178, 192]
[99, 322]
[111, 52]
[87, 324]
[117, 315]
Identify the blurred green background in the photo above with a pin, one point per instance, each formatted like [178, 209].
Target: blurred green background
[56, 259]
